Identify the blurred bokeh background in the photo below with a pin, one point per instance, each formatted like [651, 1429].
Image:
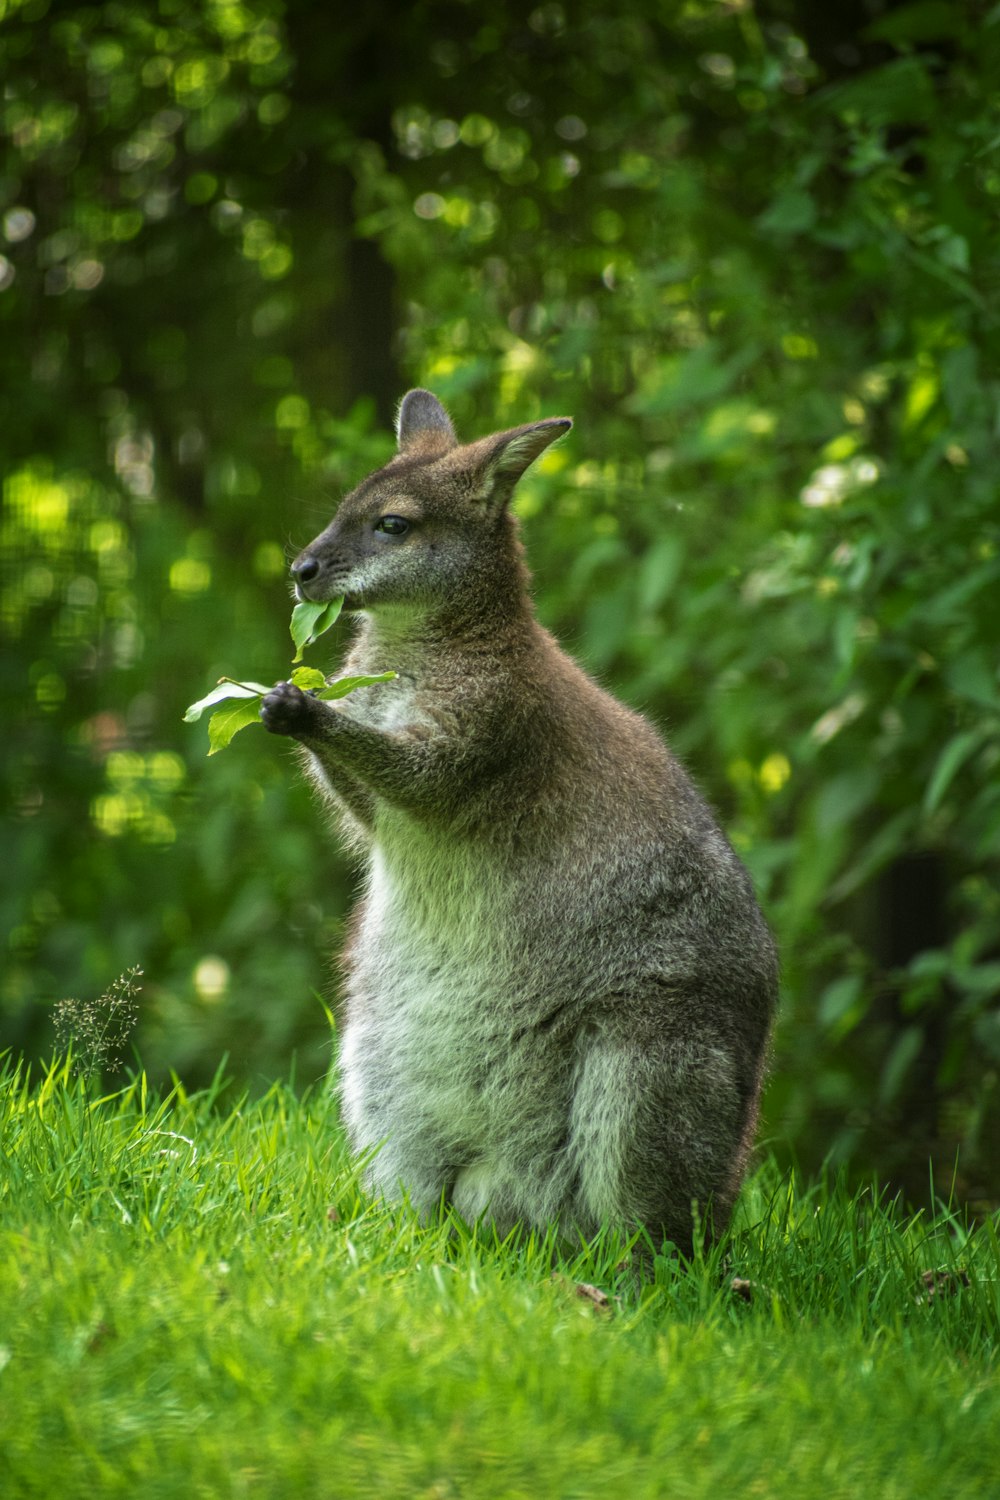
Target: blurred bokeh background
[751, 248]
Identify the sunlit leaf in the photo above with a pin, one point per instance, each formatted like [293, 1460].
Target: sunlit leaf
[227, 688]
[309, 679]
[229, 721]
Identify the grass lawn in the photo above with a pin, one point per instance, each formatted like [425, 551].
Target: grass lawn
[196, 1300]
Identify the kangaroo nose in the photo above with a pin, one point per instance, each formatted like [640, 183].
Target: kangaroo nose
[304, 569]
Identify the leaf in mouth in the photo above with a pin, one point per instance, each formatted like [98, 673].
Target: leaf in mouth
[310, 619]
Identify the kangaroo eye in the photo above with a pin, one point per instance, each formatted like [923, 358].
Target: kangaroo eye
[392, 525]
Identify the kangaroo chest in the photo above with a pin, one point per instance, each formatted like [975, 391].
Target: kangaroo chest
[434, 935]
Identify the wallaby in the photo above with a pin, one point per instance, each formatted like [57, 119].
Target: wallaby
[559, 986]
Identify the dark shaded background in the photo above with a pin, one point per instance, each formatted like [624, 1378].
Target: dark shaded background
[751, 249]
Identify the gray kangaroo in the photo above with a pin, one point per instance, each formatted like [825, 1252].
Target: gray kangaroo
[559, 986]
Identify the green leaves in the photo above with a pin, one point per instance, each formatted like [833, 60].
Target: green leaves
[309, 622]
[228, 721]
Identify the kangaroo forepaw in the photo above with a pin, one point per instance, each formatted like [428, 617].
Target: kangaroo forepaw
[286, 709]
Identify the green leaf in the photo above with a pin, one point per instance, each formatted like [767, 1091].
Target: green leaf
[982, 981]
[924, 21]
[229, 721]
[309, 679]
[658, 572]
[304, 617]
[227, 688]
[891, 838]
[901, 92]
[899, 1063]
[949, 762]
[345, 685]
[791, 212]
[973, 674]
[310, 619]
[839, 997]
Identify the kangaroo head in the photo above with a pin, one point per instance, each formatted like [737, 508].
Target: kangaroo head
[432, 526]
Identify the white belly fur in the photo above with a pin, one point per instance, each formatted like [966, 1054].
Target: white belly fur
[429, 977]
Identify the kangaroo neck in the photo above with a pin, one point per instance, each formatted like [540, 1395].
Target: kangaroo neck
[503, 621]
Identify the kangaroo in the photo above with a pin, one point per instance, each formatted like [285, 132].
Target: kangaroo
[559, 986]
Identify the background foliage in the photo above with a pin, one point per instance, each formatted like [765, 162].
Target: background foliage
[752, 249]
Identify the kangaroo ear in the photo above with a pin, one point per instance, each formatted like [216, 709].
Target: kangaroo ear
[423, 425]
[504, 458]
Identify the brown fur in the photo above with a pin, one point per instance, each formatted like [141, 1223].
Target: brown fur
[560, 987]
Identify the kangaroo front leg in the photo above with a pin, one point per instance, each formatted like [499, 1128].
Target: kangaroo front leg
[286, 710]
[404, 766]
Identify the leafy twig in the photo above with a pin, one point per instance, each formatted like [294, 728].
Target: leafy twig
[309, 622]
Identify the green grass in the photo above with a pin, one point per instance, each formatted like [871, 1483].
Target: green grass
[197, 1300]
